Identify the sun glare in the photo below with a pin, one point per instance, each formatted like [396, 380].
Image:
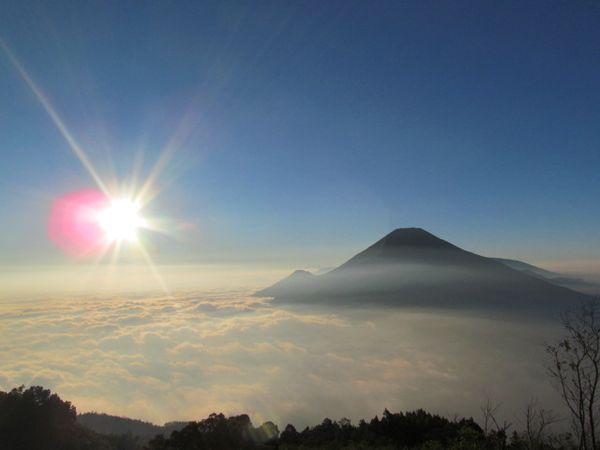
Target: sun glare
[121, 221]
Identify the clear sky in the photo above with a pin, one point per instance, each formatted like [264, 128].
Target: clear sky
[303, 131]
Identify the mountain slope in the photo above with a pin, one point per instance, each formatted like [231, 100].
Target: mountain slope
[107, 424]
[412, 267]
[291, 284]
[576, 284]
[528, 268]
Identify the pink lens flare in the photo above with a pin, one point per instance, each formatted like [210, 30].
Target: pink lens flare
[73, 225]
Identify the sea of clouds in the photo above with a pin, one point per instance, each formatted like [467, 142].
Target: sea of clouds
[184, 356]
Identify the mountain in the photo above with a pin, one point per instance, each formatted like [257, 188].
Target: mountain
[412, 267]
[107, 424]
[528, 268]
[291, 284]
[577, 284]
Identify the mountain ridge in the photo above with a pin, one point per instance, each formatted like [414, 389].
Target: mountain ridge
[412, 267]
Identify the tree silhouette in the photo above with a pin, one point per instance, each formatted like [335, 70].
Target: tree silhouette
[575, 368]
[34, 418]
[218, 432]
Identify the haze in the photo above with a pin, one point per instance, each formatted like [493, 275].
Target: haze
[247, 140]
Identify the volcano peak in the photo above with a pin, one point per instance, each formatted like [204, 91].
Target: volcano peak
[412, 237]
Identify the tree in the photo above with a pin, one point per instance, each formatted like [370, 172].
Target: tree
[218, 432]
[267, 432]
[575, 369]
[537, 422]
[289, 435]
[495, 431]
[35, 418]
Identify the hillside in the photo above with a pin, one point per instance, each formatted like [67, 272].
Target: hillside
[412, 267]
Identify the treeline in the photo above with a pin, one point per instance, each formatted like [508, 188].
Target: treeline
[418, 430]
[36, 419]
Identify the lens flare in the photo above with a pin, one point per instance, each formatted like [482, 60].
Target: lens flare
[73, 226]
[86, 222]
[89, 222]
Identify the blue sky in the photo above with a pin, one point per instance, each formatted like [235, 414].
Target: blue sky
[307, 130]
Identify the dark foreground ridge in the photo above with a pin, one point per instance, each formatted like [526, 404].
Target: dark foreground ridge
[36, 419]
[412, 267]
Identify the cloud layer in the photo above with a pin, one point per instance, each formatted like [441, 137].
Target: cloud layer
[162, 359]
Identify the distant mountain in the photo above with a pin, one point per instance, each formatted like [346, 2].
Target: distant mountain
[107, 424]
[552, 277]
[412, 267]
[294, 283]
[528, 268]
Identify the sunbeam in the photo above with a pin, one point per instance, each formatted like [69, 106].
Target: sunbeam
[148, 189]
[58, 122]
[86, 222]
[159, 279]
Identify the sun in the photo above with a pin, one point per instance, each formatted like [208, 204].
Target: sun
[121, 220]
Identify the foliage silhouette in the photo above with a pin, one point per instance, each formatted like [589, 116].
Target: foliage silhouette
[36, 419]
[219, 433]
[575, 369]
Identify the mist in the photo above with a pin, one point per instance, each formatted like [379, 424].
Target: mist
[34, 281]
[184, 356]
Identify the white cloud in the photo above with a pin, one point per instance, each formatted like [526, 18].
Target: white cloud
[163, 359]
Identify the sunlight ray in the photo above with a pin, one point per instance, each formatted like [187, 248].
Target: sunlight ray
[99, 258]
[154, 270]
[148, 189]
[60, 125]
[110, 270]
